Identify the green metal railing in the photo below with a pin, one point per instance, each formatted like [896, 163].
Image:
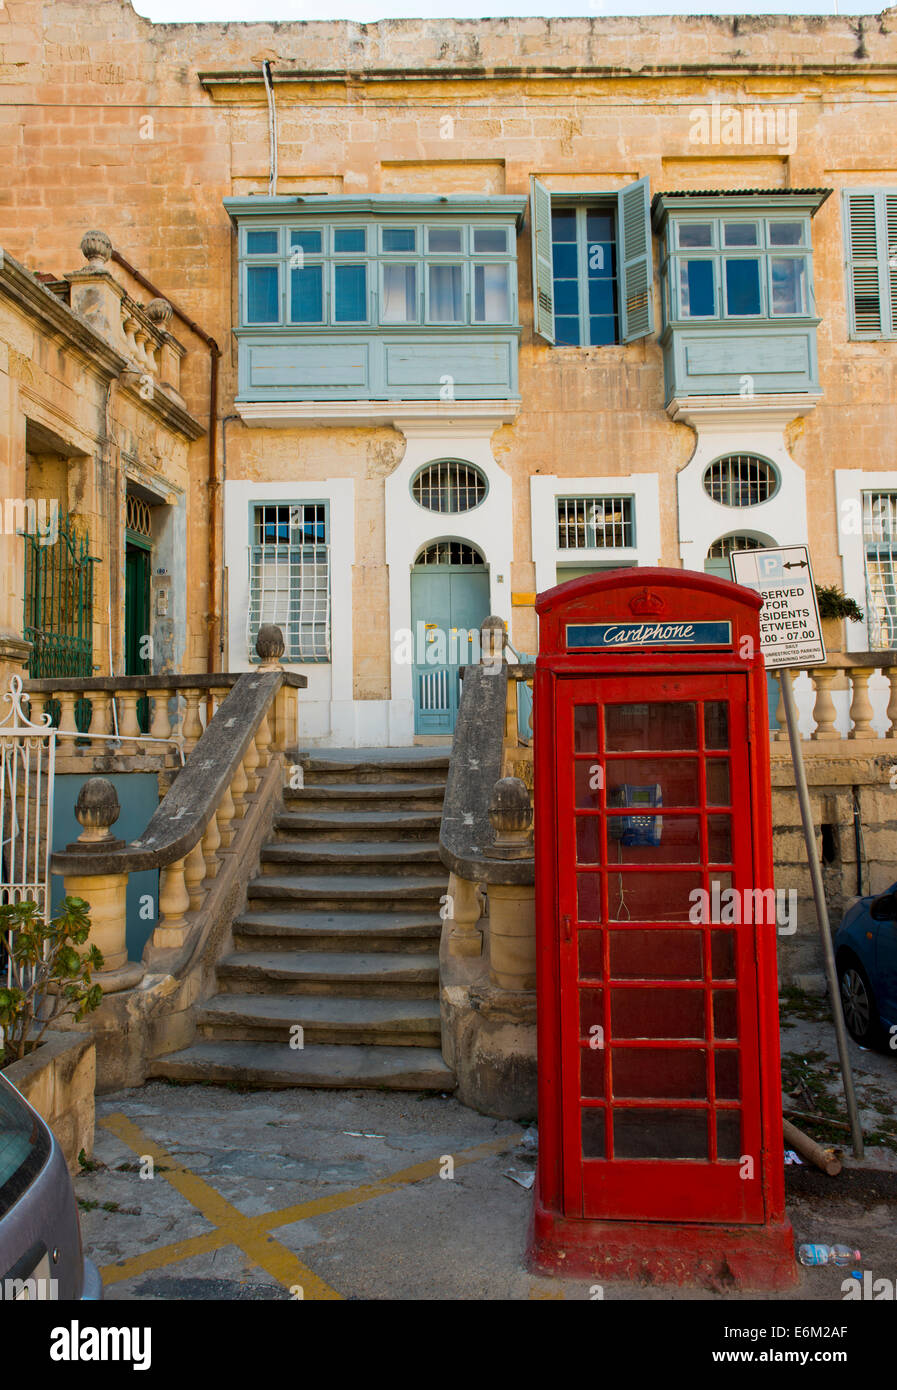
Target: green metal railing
[59, 607]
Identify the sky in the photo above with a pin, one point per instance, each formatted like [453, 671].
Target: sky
[366, 11]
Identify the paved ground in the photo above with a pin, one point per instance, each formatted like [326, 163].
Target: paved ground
[375, 1195]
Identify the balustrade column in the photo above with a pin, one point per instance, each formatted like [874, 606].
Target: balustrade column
[129, 724]
[225, 817]
[250, 767]
[824, 710]
[192, 728]
[238, 788]
[99, 712]
[174, 903]
[263, 743]
[194, 873]
[861, 706]
[465, 938]
[211, 842]
[891, 673]
[781, 732]
[67, 701]
[160, 725]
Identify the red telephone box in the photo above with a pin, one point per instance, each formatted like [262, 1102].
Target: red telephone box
[660, 1119]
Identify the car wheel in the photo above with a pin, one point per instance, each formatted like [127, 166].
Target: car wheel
[858, 1003]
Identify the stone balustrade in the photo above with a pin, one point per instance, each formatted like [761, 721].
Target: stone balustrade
[853, 698]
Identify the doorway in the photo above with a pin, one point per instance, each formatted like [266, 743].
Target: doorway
[449, 603]
[138, 649]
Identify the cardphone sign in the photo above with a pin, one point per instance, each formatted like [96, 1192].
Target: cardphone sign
[790, 627]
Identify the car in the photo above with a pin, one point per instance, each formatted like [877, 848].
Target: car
[866, 961]
[41, 1256]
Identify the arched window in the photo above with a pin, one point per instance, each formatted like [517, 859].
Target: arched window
[740, 480]
[717, 561]
[449, 486]
[450, 553]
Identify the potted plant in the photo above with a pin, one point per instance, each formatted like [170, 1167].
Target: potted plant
[834, 607]
[49, 978]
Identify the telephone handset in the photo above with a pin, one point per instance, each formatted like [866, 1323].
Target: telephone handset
[637, 829]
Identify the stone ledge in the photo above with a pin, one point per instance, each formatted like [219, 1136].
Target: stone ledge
[59, 1078]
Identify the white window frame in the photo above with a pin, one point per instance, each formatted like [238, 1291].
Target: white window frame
[546, 490]
[850, 486]
[289, 609]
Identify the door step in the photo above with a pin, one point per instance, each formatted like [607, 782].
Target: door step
[272, 1065]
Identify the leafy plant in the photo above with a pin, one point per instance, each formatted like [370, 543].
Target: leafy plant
[50, 977]
[834, 604]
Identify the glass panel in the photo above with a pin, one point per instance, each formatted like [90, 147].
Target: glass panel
[719, 840]
[742, 287]
[657, 1013]
[312, 242]
[725, 1014]
[588, 897]
[651, 897]
[601, 261]
[740, 234]
[585, 729]
[656, 955]
[566, 277]
[593, 1140]
[262, 294]
[728, 1134]
[661, 726]
[728, 1085]
[591, 1009]
[657, 1073]
[676, 777]
[446, 294]
[716, 724]
[491, 294]
[660, 1134]
[789, 276]
[591, 954]
[350, 293]
[490, 240]
[718, 793]
[262, 243]
[349, 239]
[399, 293]
[696, 290]
[444, 240]
[591, 1072]
[587, 778]
[651, 839]
[695, 234]
[722, 955]
[786, 233]
[307, 294]
[588, 840]
[399, 238]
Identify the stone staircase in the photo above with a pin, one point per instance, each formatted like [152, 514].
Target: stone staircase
[340, 935]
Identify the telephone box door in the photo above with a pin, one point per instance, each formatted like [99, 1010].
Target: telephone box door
[660, 1064]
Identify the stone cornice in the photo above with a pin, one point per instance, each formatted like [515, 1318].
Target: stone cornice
[407, 416]
[740, 412]
[56, 317]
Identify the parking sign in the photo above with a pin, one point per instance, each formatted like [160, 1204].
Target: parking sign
[790, 628]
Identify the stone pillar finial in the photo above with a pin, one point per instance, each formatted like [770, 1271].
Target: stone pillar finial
[96, 248]
[96, 809]
[511, 817]
[493, 639]
[159, 313]
[270, 646]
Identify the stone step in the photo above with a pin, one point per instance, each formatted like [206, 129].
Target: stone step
[329, 1019]
[354, 796]
[337, 931]
[406, 858]
[375, 766]
[383, 974]
[345, 891]
[270, 1065]
[368, 825]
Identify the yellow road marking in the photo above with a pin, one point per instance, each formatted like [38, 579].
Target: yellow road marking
[250, 1233]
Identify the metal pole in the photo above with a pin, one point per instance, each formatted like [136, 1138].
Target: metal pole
[806, 815]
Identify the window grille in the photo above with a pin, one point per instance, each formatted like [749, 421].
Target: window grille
[880, 551]
[137, 516]
[722, 549]
[740, 480]
[594, 523]
[449, 486]
[289, 578]
[449, 553]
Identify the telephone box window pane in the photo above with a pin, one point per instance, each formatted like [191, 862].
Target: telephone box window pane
[585, 729]
[588, 897]
[591, 1009]
[651, 897]
[350, 293]
[718, 793]
[722, 955]
[262, 294]
[728, 1134]
[696, 294]
[742, 287]
[307, 295]
[657, 1073]
[656, 955]
[789, 276]
[725, 1014]
[654, 839]
[588, 842]
[677, 779]
[655, 727]
[657, 1013]
[587, 778]
[261, 243]
[593, 1141]
[591, 956]
[719, 839]
[660, 1134]
[591, 1073]
[349, 239]
[716, 724]
[307, 241]
[728, 1085]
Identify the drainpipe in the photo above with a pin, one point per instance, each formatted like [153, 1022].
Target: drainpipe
[227, 420]
[272, 127]
[214, 618]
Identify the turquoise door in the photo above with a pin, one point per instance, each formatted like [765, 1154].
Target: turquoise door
[448, 605]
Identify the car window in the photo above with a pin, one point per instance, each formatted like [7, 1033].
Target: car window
[24, 1147]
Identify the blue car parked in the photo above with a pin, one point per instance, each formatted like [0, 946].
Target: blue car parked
[866, 958]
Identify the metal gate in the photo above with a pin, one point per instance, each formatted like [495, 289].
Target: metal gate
[27, 768]
[59, 603]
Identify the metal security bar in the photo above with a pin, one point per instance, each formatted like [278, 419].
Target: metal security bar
[449, 486]
[722, 549]
[59, 603]
[27, 770]
[289, 578]
[740, 480]
[594, 523]
[880, 551]
[449, 553]
[138, 516]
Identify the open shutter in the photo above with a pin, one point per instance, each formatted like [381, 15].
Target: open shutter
[863, 263]
[543, 261]
[890, 256]
[636, 261]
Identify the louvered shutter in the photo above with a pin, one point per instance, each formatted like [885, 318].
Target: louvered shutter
[864, 269]
[543, 261]
[890, 256]
[636, 261]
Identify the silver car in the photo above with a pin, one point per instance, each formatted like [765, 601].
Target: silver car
[40, 1238]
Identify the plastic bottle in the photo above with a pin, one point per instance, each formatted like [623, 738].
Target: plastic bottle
[827, 1255]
